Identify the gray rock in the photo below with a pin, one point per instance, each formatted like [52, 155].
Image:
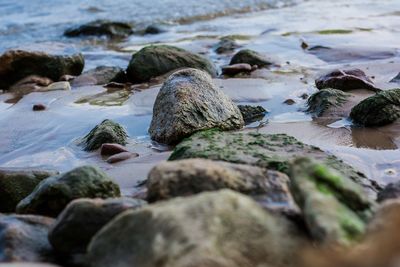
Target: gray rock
[53, 194]
[100, 75]
[154, 29]
[325, 99]
[252, 58]
[396, 79]
[101, 27]
[391, 191]
[226, 45]
[188, 102]
[252, 113]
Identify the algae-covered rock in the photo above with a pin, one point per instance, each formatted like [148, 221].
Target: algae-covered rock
[106, 132]
[377, 110]
[52, 194]
[251, 57]
[274, 151]
[101, 27]
[23, 238]
[18, 64]
[189, 101]
[16, 184]
[223, 229]
[325, 99]
[252, 113]
[334, 207]
[82, 219]
[156, 60]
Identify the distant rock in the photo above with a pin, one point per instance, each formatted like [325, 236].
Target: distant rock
[252, 58]
[226, 45]
[107, 28]
[154, 29]
[236, 69]
[325, 99]
[252, 113]
[100, 75]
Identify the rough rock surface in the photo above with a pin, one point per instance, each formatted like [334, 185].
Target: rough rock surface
[391, 191]
[325, 99]
[15, 65]
[101, 27]
[100, 75]
[380, 109]
[219, 229]
[252, 113]
[251, 57]
[82, 219]
[156, 60]
[53, 194]
[189, 102]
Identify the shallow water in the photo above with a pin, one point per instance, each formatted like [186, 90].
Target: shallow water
[361, 33]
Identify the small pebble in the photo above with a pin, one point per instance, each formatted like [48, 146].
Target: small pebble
[289, 102]
[38, 107]
[122, 156]
[112, 149]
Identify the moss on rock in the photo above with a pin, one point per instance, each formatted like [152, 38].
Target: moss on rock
[325, 99]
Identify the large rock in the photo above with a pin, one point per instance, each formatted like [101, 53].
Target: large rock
[156, 60]
[52, 194]
[335, 208]
[191, 176]
[82, 219]
[18, 64]
[219, 229]
[273, 151]
[16, 184]
[107, 131]
[377, 110]
[24, 238]
[250, 57]
[101, 27]
[325, 99]
[189, 101]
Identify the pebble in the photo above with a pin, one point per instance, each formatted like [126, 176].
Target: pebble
[38, 107]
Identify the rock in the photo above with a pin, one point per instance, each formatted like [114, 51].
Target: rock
[211, 229]
[121, 157]
[334, 207]
[16, 184]
[156, 60]
[106, 132]
[396, 79]
[289, 102]
[226, 45]
[236, 69]
[107, 28]
[319, 102]
[386, 219]
[250, 57]
[274, 151]
[377, 110]
[100, 75]
[154, 29]
[391, 191]
[38, 107]
[18, 64]
[252, 113]
[82, 219]
[27, 264]
[52, 194]
[65, 86]
[188, 102]
[24, 238]
[346, 80]
[109, 149]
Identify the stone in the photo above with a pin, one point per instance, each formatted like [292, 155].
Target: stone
[252, 58]
[16, 65]
[24, 238]
[325, 99]
[156, 60]
[82, 219]
[100, 75]
[252, 113]
[107, 28]
[64, 86]
[189, 101]
[271, 151]
[334, 207]
[53, 194]
[27, 264]
[121, 157]
[109, 149]
[396, 79]
[38, 107]
[107, 131]
[346, 80]
[289, 102]
[234, 69]
[391, 191]
[226, 45]
[17, 183]
[154, 29]
[223, 229]
[378, 110]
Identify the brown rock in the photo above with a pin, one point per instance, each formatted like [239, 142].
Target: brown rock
[121, 157]
[289, 102]
[236, 69]
[112, 149]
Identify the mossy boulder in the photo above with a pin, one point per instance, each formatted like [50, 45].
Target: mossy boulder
[107, 131]
[251, 57]
[157, 60]
[189, 101]
[223, 229]
[18, 64]
[16, 184]
[272, 151]
[377, 110]
[326, 99]
[53, 194]
[82, 219]
[252, 113]
[101, 28]
[334, 207]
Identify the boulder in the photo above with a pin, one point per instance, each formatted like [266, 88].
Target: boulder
[107, 131]
[82, 219]
[157, 60]
[325, 99]
[377, 110]
[53, 194]
[252, 58]
[16, 184]
[24, 238]
[107, 28]
[219, 229]
[252, 113]
[100, 75]
[15, 65]
[189, 101]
